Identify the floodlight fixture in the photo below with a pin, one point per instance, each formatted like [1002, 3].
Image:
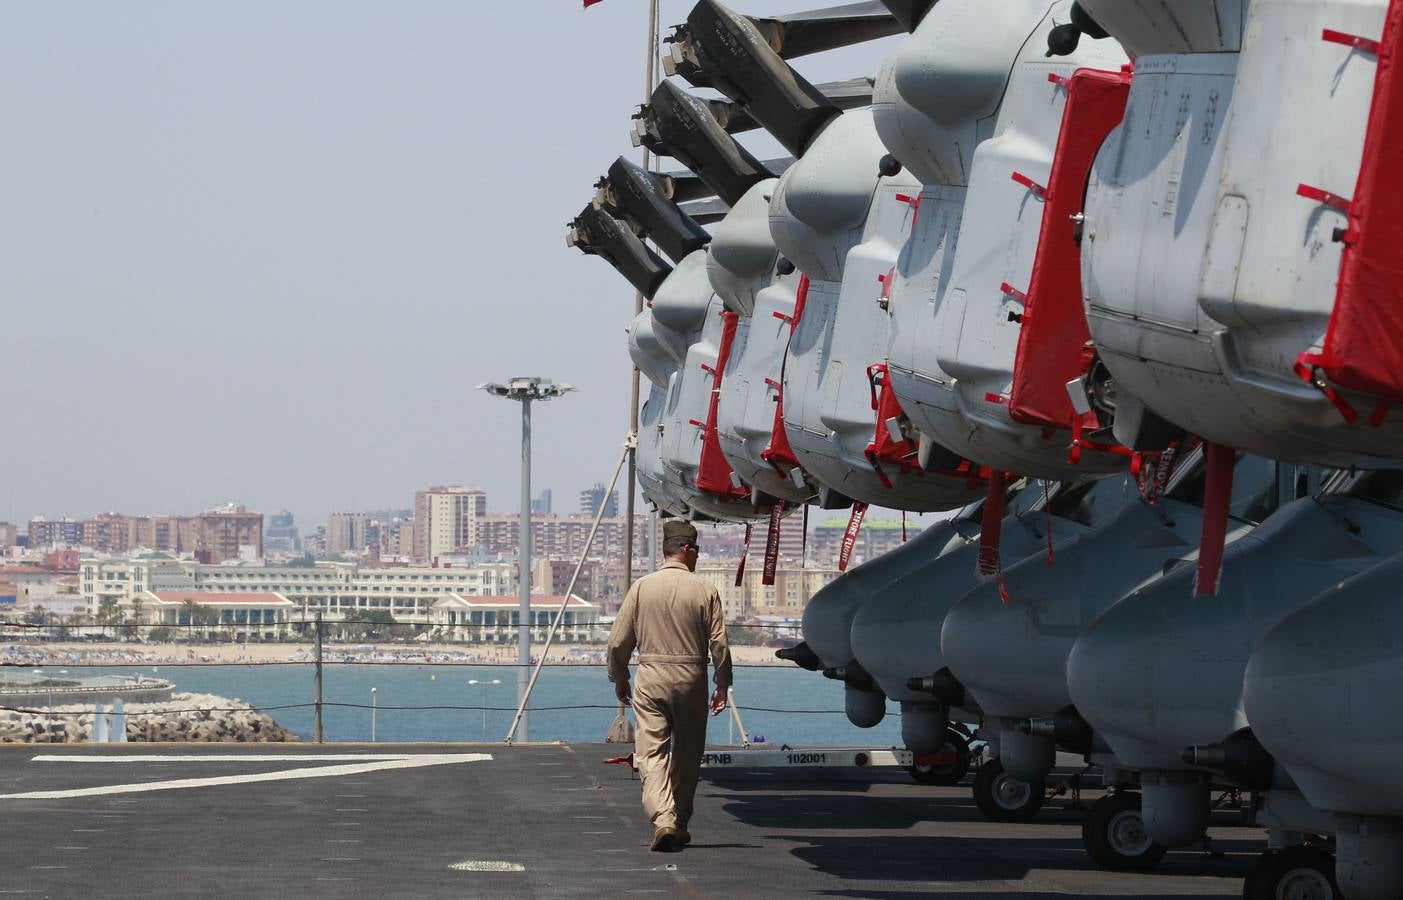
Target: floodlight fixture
[524, 390]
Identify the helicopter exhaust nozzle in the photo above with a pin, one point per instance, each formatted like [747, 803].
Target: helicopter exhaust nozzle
[852, 674]
[1239, 756]
[1044, 727]
[802, 655]
[943, 685]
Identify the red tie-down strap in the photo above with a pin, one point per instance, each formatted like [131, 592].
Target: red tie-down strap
[991, 524]
[767, 575]
[801, 297]
[1363, 346]
[1054, 343]
[1080, 443]
[714, 473]
[845, 551]
[1217, 498]
[886, 281]
[1038, 190]
[889, 444]
[914, 203]
[1350, 40]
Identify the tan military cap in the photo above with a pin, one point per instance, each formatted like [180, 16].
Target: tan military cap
[679, 528]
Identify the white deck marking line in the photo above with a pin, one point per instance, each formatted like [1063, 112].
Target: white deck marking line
[487, 865]
[229, 758]
[413, 762]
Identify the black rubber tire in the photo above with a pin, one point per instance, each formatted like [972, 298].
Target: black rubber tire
[999, 797]
[1310, 869]
[946, 775]
[1113, 834]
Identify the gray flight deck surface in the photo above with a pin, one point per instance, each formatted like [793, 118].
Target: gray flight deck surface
[557, 818]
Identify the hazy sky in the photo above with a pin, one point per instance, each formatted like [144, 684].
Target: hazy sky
[262, 252]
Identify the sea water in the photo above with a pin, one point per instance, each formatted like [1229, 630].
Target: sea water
[570, 703]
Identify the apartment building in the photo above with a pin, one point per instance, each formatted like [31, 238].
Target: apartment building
[347, 532]
[447, 520]
[214, 535]
[786, 598]
[562, 537]
[877, 536]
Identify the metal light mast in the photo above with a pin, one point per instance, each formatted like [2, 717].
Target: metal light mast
[525, 390]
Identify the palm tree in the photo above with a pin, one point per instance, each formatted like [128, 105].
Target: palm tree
[189, 608]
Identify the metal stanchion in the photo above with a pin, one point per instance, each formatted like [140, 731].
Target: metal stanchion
[317, 702]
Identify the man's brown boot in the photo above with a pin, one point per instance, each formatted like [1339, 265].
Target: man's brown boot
[665, 840]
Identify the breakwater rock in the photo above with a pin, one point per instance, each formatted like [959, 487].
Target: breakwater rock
[184, 717]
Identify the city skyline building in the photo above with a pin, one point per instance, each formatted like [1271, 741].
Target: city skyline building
[347, 532]
[280, 533]
[590, 498]
[446, 519]
[214, 535]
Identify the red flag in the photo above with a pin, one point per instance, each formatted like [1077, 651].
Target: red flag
[589, 3]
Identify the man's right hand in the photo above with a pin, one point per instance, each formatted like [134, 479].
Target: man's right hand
[621, 691]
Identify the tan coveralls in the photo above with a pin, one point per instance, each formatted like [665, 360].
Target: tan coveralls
[673, 617]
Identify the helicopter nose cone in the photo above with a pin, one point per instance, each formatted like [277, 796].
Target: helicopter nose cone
[1009, 659]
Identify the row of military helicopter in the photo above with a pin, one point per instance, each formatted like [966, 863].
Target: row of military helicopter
[1117, 281]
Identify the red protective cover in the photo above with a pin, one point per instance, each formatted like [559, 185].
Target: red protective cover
[713, 472]
[1364, 344]
[779, 454]
[882, 449]
[1054, 338]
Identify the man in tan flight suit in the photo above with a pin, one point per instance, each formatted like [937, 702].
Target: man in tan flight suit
[673, 617]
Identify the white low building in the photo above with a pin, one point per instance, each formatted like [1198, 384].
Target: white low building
[214, 616]
[496, 619]
[333, 589]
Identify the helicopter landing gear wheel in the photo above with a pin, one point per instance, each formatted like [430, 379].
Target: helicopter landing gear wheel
[1003, 798]
[946, 767]
[1114, 835]
[1302, 872]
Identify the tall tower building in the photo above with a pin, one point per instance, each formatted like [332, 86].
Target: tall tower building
[589, 501]
[447, 519]
[347, 532]
[280, 532]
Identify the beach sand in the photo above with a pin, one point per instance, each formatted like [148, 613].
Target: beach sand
[117, 653]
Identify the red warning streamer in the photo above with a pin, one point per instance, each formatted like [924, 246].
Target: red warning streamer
[767, 575]
[850, 536]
